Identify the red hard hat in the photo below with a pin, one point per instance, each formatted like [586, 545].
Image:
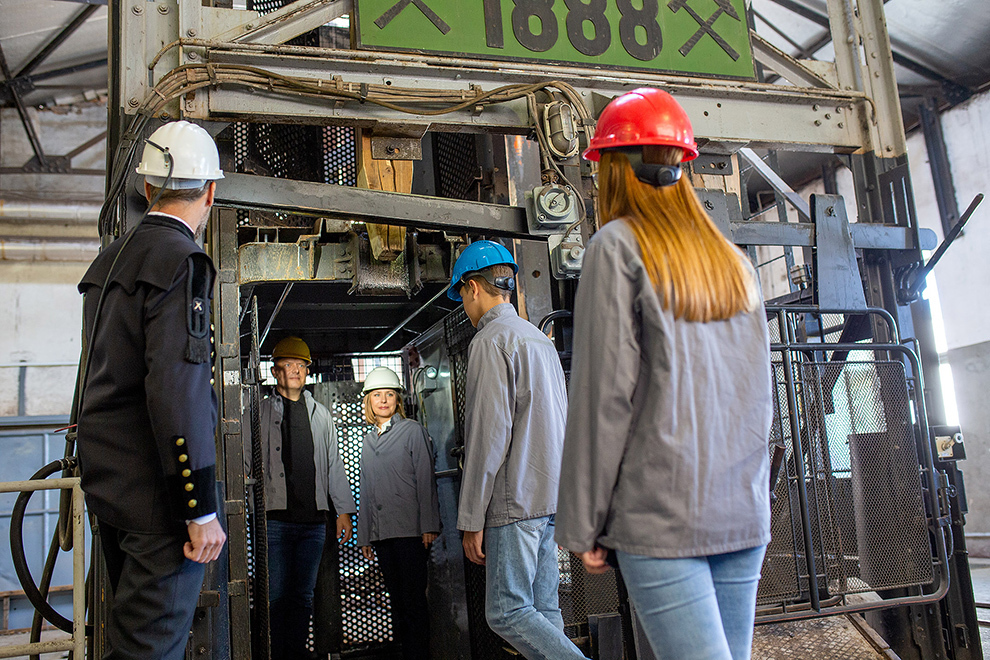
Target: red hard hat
[640, 117]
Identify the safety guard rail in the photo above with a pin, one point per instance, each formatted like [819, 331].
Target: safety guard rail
[789, 347]
[77, 642]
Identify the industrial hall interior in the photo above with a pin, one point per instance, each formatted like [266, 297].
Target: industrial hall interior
[495, 329]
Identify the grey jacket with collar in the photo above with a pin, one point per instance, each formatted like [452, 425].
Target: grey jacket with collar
[330, 476]
[669, 422]
[398, 486]
[516, 405]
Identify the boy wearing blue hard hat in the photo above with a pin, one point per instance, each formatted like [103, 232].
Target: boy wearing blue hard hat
[516, 406]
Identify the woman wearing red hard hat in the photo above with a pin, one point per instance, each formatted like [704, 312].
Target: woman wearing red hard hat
[665, 467]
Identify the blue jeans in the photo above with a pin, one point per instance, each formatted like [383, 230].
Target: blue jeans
[521, 597]
[294, 552]
[698, 607]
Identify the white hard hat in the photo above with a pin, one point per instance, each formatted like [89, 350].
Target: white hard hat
[195, 159]
[381, 378]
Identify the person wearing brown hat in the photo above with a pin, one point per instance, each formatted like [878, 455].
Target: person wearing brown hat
[304, 476]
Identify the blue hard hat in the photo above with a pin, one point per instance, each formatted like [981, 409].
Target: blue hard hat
[476, 257]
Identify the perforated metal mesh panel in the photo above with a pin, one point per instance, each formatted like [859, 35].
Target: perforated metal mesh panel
[581, 593]
[366, 610]
[339, 155]
[326, 154]
[865, 502]
[456, 157]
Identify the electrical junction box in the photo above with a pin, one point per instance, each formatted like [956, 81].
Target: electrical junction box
[566, 255]
[551, 209]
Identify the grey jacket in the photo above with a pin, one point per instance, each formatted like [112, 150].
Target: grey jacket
[398, 486]
[667, 437]
[330, 475]
[516, 406]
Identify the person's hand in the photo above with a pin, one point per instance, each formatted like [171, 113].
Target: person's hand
[368, 552]
[472, 546]
[345, 528]
[428, 539]
[594, 560]
[205, 541]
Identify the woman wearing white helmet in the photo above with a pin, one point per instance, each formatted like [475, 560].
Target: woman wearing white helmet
[399, 516]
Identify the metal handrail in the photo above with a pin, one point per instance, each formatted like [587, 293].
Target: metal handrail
[814, 309]
[77, 642]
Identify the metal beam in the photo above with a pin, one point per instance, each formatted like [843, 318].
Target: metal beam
[22, 111]
[938, 161]
[245, 191]
[802, 51]
[950, 87]
[778, 184]
[727, 111]
[785, 65]
[57, 40]
[288, 22]
[25, 84]
[802, 234]
[322, 199]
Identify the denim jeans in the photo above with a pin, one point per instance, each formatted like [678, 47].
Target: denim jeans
[294, 551]
[697, 607]
[521, 597]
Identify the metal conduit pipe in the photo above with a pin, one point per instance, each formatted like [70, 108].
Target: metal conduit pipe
[20, 211]
[41, 249]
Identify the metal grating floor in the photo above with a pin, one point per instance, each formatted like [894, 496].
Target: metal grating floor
[834, 637]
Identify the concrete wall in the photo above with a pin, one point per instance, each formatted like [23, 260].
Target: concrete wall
[963, 281]
[41, 324]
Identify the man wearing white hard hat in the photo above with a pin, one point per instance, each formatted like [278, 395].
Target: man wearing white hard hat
[147, 409]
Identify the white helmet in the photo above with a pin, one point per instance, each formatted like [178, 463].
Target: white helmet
[382, 378]
[195, 159]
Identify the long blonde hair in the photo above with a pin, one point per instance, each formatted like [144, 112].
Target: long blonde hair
[698, 273]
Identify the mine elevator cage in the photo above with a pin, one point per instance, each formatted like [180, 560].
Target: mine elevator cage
[353, 176]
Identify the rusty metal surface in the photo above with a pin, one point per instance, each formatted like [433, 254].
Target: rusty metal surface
[834, 638]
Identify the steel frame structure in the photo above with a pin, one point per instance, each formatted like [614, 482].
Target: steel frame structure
[849, 107]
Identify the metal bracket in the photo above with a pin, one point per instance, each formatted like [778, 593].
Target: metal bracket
[712, 164]
[52, 165]
[566, 256]
[396, 148]
[839, 282]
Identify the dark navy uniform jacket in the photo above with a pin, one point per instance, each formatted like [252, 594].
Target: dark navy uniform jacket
[146, 427]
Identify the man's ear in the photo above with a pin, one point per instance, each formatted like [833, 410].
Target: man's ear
[210, 193]
[475, 287]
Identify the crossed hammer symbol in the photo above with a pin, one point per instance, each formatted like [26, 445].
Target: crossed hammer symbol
[724, 7]
[395, 9]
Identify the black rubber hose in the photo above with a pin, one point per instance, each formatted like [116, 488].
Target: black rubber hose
[46, 583]
[551, 317]
[17, 550]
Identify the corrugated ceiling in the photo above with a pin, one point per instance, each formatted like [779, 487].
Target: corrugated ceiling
[948, 37]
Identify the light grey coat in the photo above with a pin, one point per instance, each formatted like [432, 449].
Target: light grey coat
[330, 476]
[667, 437]
[398, 485]
[516, 406]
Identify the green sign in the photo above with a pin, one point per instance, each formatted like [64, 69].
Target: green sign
[706, 37]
